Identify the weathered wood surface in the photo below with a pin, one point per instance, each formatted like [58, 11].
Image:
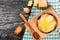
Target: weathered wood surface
[9, 18]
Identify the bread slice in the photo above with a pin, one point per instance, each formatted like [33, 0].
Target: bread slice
[36, 3]
[30, 3]
[42, 3]
[18, 30]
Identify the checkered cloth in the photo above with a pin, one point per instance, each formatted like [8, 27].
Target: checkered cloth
[52, 36]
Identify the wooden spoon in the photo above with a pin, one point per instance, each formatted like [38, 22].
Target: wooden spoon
[33, 33]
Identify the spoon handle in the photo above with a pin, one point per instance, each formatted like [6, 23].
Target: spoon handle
[25, 20]
[34, 34]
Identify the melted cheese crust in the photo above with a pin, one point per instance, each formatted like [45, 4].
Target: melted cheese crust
[46, 23]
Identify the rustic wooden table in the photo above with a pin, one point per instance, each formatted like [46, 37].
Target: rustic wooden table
[9, 18]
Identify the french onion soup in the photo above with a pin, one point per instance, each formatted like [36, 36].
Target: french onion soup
[46, 23]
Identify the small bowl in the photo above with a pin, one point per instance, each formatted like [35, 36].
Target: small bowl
[50, 30]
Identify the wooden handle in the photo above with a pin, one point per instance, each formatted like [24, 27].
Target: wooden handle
[34, 34]
[25, 20]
